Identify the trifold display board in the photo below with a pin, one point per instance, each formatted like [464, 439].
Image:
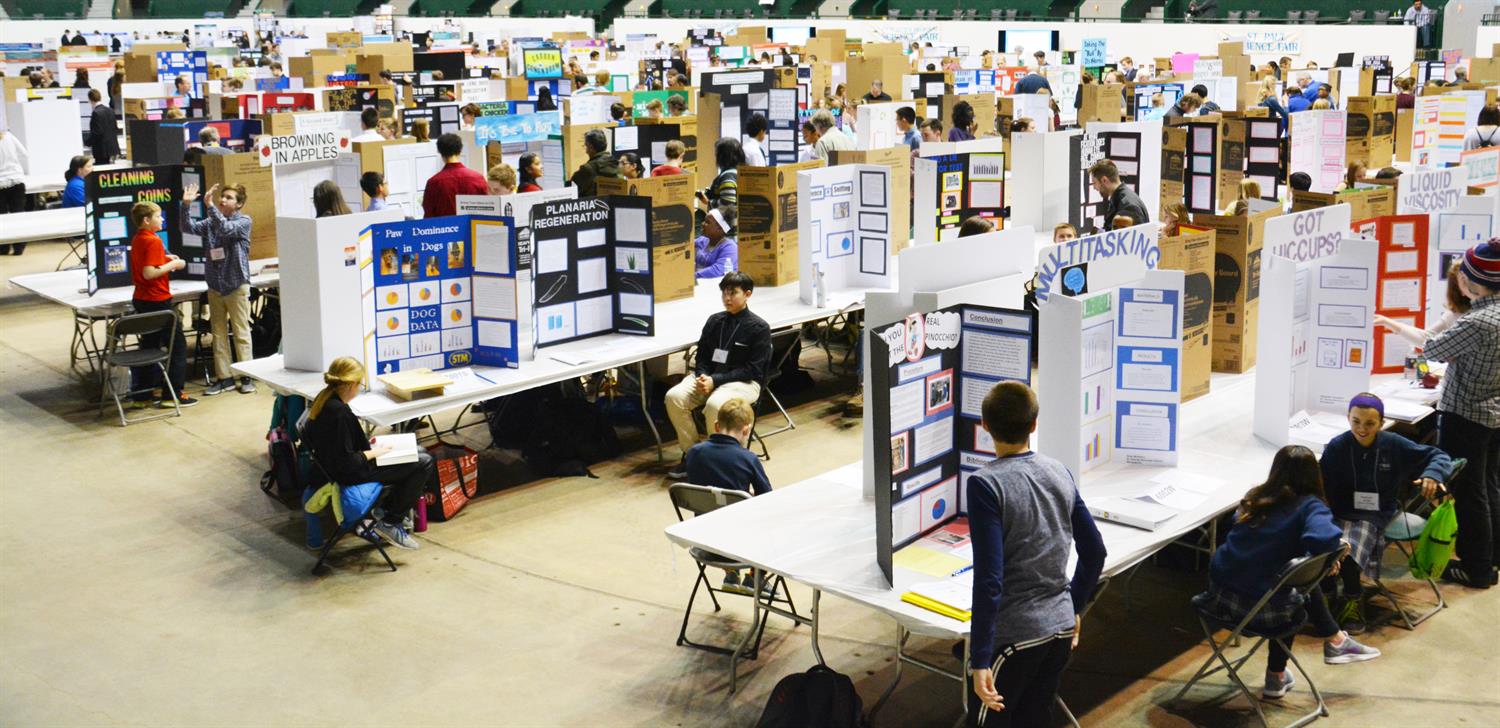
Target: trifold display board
[440, 293]
[1043, 201]
[107, 226]
[591, 265]
[1111, 374]
[1314, 350]
[1263, 155]
[843, 229]
[1439, 124]
[1316, 146]
[1097, 262]
[1135, 148]
[929, 376]
[747, 91]
[1401, 283]
[1470, 221]
[1200, 168]
[953, 181]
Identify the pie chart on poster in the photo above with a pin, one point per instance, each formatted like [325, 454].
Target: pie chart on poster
[939, 508]
[392, 298]
[424, 294]
[391, 323]
[456, 289]
[458, 315]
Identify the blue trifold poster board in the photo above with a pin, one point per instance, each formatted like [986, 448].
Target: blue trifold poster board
[441, 293]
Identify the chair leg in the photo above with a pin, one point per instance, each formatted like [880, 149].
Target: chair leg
[1067, 713]
[682, 639]
[1320, 710]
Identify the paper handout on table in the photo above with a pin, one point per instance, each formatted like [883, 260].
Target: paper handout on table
[1148, 515]
[924, 560]
[403, 447]
[1316, 430]
[951, 597]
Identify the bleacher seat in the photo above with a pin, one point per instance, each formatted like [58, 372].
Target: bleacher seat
[1310, 17]
[1235, 15]
[1356, 16]
[1252, 15]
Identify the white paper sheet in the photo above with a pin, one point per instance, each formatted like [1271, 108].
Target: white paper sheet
[491, 250]
[592, 237]
[1401, 293]
[635, 304]
[595, 314]
[493, 333]
[550, 256]
[1148, 319]
[494, 298]
[593, 275]
[994, 355]
[932, 440]
[907, 406]
[1145, 433]
[630, 226]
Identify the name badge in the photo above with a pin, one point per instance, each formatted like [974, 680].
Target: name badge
[720, 356]
[1366, 501]
[215, 253]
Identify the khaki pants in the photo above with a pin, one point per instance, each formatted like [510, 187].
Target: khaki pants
[236, 306]
[683, 398]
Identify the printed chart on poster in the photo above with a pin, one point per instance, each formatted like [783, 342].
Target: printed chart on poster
[929, 376]
[1317, 147]
[1469, 222]
[440, 293]
[1111, 374]
[1401, 283]
[955, 181]
[591, 269]
[844, 229]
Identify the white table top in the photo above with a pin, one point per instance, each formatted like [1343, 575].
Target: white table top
[25, 227]
[678, 325]
[821, 532]
[40, 183]
[68, 287]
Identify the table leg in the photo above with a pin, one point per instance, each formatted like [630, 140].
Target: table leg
[640, 368]
[817, 650]
[734, 658]
[901, 637]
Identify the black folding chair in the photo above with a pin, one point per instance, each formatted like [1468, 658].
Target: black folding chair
[119, 352]
[359, 524]
[1301, 575]
[698, 500]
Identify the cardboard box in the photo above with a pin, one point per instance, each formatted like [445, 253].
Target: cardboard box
[768, 222]
[1404, 121]
[229, 170]
[1236, 319]
[861, 72]
[1371, 138]
[1173, 157]
[1364, 203]
[898, 158]
[139, 68]
[1192, 252]
[314, 69]
[1102, 102]
[345, 39]
[672, 229]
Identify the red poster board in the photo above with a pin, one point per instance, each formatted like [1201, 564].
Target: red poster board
[1400, 282]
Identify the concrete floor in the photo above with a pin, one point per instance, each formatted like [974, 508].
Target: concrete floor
[145, 581]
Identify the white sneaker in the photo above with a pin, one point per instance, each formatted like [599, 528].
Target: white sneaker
[396, 535]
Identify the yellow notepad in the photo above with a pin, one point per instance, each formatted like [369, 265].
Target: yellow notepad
[933, 605]
[927, 561]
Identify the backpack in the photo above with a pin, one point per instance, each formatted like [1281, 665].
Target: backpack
[558, 431]
[288, 474]
[1435, 547]
[1485, 142]
[265, 328]
[818, 698]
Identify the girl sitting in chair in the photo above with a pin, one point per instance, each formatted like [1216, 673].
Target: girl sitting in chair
[1280, 520]
[343, 453]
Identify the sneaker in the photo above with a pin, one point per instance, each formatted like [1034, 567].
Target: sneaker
[678, 471]
[1350, 651]
[396, 535]
[219, 387]
[1457, 574]
[1277, 687]
[182, 401]
[247, 386]
[140, 404]
[766, 587]
[855, 407]
[732, 584]
[1352, 617]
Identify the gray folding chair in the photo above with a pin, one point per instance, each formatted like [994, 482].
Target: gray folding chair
[1301, 575]
[1406, 528]
[119, 352]
[698, 500]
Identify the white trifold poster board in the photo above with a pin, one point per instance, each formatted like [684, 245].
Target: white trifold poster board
[1316, 348]
[1427, 191]
[409, 166]
[1110, 374]
[1036, 107]
[1097, 262]
[294, 184]
[1135, 148]
[876, 128]
[980, 269]
[50, 130]
[1317, 147]
[1041, 201]
[843, 229]
[1454, 230]
[320, 260]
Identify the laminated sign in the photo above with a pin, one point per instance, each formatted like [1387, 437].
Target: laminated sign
[311, 146]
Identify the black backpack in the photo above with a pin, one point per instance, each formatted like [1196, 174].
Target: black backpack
[559, 432]
[1488, 141]
[818, 698]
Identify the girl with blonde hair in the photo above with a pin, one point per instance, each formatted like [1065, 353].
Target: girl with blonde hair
[341, 452]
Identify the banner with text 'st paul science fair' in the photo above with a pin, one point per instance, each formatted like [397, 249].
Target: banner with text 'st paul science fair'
[440, 293]
[929, 377]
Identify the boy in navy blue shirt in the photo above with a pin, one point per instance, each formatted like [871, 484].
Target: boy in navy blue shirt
[1024, 513]
[723, 461]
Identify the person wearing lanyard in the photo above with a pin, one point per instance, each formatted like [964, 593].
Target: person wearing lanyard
[1363, 471]
[734, 354]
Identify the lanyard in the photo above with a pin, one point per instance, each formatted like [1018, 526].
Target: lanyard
[1374, 470]
[732, 332]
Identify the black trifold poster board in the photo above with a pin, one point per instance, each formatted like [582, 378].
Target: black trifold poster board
[591, 268]
[929, 374]
[107, 226]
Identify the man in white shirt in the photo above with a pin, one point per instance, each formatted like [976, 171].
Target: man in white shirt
[369, 120]
[755, 141]
[1423, 17]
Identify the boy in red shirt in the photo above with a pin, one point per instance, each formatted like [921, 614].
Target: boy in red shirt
[150, 266]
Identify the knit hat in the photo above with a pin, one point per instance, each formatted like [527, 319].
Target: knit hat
[1482, 263]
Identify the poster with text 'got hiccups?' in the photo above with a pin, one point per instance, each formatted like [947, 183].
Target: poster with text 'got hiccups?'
[441, 293]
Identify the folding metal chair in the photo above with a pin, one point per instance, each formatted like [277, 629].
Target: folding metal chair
[1406, 528]
[120, 353]
[360, 524]
[1301, 575]
[701, 499]
[794, 335]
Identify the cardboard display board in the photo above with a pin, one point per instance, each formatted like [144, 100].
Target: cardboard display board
[768, 224]
[1401, 283]
[1097, 262]
[843, 229]
[591, 266]
[1317, 147]
[953, 181]
[1238, 241]
[1102, 102]
[107, 226]
[441, 293]
[229, 170]
[672, 237]
[898, 159]
[1110, 374]
[1192, 252]
[1364, 202]
[929, 375]
[1371, 135]
[322, 265]
[1315, 344]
